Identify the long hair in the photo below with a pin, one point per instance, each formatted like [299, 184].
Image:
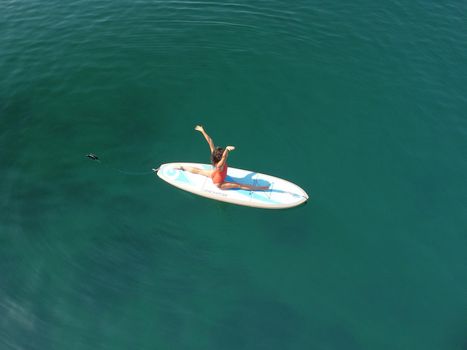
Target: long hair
[216, 155]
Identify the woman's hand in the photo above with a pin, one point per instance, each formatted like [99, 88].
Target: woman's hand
[199, 128]
[230, 148]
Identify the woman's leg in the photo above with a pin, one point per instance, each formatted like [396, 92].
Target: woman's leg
[234, 185]
[223, 185]
[193, 170]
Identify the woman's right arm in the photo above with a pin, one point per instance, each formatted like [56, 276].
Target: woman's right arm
[224, 156]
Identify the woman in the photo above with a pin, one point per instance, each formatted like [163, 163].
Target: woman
[219, 161]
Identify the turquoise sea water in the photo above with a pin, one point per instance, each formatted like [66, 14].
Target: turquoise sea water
[362, 104]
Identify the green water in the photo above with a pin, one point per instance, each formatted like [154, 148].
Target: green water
[361, 104]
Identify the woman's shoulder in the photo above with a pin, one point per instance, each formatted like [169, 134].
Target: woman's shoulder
[222, 167]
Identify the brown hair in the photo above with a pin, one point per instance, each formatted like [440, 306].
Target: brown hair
[216, 155]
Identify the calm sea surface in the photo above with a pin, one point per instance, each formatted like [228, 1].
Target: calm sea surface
[362, 104]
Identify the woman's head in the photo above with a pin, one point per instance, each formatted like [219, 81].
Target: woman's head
[216, 155]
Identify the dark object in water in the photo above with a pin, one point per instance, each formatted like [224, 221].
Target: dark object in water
[92, 156]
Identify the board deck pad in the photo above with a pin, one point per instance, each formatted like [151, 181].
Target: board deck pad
[281, 193]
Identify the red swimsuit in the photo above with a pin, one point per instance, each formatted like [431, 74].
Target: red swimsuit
[218, 176]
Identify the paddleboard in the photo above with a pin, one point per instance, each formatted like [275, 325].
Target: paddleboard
[281, 193]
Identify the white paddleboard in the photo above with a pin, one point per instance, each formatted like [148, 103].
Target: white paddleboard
[281, 193]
